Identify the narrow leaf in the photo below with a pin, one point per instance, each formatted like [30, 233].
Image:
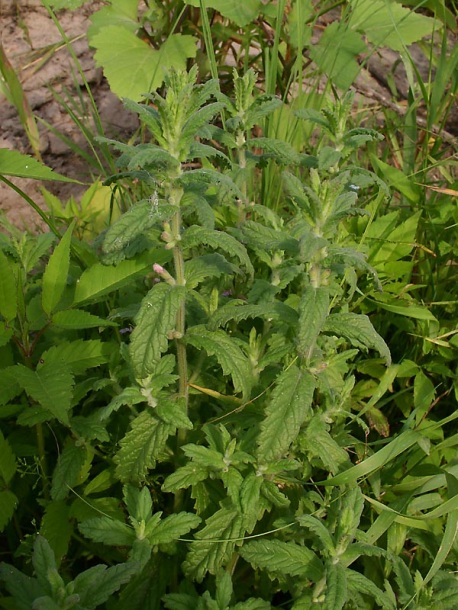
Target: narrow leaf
[13, 163]
[56, 272]
[79, 319]
[8, 296]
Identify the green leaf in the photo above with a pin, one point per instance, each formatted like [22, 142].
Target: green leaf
[271, 311]
[388, 24]
[155, 319]
[8, 504]
[280, 151]
[358, 330]
[108, 531]
[241, 13]
[57, 528]
[318, 443]
[138, 502]
[171, 528]
[287, 410]
[336, 52]
[119, 12]
[51, 386]
[79, 319]
[13, 163]
[198, 236]
[336, 586]
[398, 180]
[360, 583]
[184, 477]
[100, 279]
[141, 447]
[214, 544]
[97, 585]
[313, 310]
[44, 564]
[56, 273]
[7, 460]
[131, 66]
[67, 471]
[228, 354]
[8, 295]
[200, 268]
[285, 558]
[77, 356]
[405, 308]
[25, 590]
[394, 448]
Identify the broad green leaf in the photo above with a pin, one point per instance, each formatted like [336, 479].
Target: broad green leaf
[398, 180]
[7, 460]
[155, 319]
[172, 527]
[358, 329]
[79, 319]
[24, 589]
[108, 531]
[141, 447]
[45, 566]
[56, 273]
[51, 386]
[336, 52]
[98, 584]
[241, 12]
[57, 528]
[184, 477]
[278, 150]
[78, 356]
[214, 544]
[320, 530]
[390, 238]
[388, 24]
[313, 310]
[269, 311]
[132, 67]
[8, 504]
[360, 583]
[285, 558]
[229, 355]
[198, 236]
[119, 12]
[100, 279]
[138, 502]
[13, 163]
[287, 410]
[196, 270]
[318, 443]
[336, 586]
[394, 448]
[8, 295]
[67, 471]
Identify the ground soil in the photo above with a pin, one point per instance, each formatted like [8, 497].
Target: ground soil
[27, 31]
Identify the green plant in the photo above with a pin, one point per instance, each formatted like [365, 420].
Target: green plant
[216, 371]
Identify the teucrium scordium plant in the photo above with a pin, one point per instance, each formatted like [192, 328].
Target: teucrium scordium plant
[240, 365]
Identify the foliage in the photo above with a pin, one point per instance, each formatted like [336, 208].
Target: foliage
[208, 398]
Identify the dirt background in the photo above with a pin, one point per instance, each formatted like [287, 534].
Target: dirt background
[27, 32]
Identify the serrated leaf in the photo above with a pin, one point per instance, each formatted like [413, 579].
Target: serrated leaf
[44, 564]
[360, 583]
[108, 531]
[196, 270]
[233, 311]
[57, 528]
[173, 412]
[131, 66]
[319, 529]
[198, 236]
[67, 471]
[100, 279]
[56, 273]
[228, 354]
[214, 544]
[98, 584]
[287, 410]
[390, 24]
[13, 163]
[79, 355]
[319, 443]
[313, 310]
[7, 460]
[336, 586]
[8, 295]
[284, 558]
[155, 319]
[24, 589]
[79, 319]
[172, 527]
[184, 477]
[262, 237]
[358, 329]
[138, 502]
[279, 150]
[141, 447]
[51, 386]
[8, 504]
